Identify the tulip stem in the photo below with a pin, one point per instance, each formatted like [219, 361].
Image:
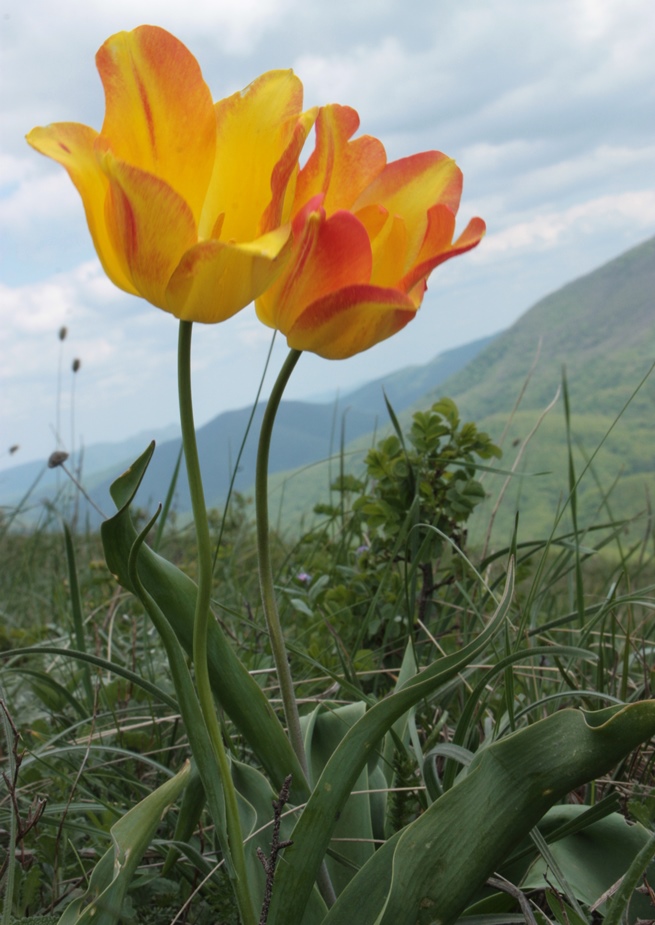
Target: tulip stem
[201, 623]
[278, 647]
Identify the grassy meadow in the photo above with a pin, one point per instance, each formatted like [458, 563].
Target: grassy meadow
[90, 720]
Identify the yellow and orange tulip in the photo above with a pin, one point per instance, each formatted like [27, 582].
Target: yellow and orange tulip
[188, 202]
[366, 236]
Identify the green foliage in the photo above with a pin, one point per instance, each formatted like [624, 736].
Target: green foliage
[430, 474]
[111, 878]
[386, 548]
[407, 681]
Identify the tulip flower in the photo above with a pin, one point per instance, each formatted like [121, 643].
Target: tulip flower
[187, 201]
[366, 236]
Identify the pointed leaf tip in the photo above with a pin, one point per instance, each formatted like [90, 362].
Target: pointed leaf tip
[126, 485]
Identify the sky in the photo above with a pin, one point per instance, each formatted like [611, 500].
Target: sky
[548, 107]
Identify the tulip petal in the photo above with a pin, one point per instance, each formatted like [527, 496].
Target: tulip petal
[351, 320]
[285, 173]
[407, 188]
[338, 167]
[328, 254]
[388, 236]
[160, 115]
[72, 146]
[254, 129]
[150, 226]
[439, 247]
[215, 280]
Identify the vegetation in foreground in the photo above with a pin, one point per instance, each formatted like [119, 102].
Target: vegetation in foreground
[383, 587]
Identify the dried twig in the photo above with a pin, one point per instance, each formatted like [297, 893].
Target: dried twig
[269, 864]
[37, 807]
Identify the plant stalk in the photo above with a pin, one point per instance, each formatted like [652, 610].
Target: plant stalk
[201, 622]
[265, 570]
[278, 646]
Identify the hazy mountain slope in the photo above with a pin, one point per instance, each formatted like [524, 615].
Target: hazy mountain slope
[601, 327]
[97, 461]
[412, 383]
[601, 330]
[305, 432]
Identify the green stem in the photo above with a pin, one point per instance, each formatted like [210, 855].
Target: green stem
[265, 570]
[268, 591]
[201, 622]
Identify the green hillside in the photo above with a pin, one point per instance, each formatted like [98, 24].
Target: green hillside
[601, 330]
[601, 327]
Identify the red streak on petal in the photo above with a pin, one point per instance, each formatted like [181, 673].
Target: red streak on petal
[64, 147]
[128, 241]
[147, 111]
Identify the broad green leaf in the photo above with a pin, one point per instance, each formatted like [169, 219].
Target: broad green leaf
[199, 739]
[324, 729]
[312, 834]
[476, 696]
[440, 861]
[594, 859]
[102, 902]
[256, 797]
[175, 594]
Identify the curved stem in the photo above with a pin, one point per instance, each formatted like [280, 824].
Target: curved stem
[201, 622]
[265, 570]
[268, 591]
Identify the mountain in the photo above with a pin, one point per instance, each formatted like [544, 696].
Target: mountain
[600, 331]
[411, 384]
[305, 432]
[601, 327]
[97, 462]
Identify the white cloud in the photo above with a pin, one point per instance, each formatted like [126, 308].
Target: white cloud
[542, 174]
[47, 197]
[548, 230]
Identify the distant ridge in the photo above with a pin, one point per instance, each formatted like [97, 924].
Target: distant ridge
[412, 383]
[600, 331]
[305, 432]
[601, 327]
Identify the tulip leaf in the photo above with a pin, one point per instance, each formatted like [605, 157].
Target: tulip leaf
[125, 487]
[312, 834]
[594, 859]
[255, 798]
[102, 902]
[430, 871]
[175, 594]
[324, 729]
[191, 809]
